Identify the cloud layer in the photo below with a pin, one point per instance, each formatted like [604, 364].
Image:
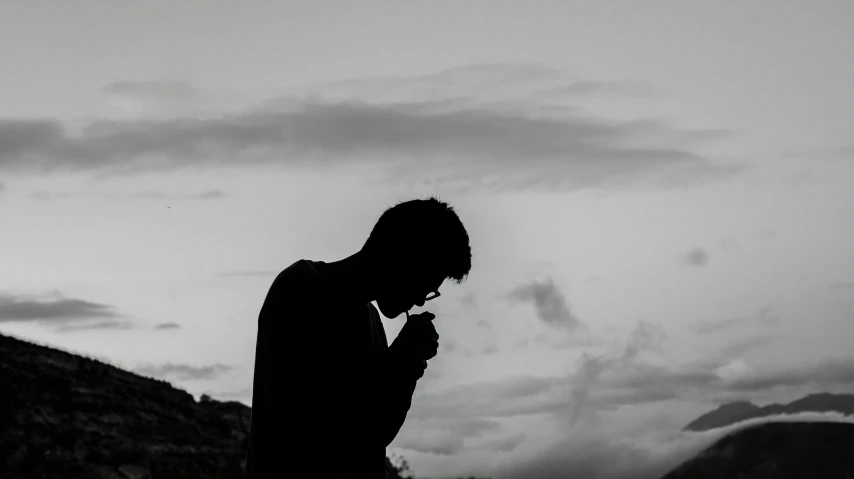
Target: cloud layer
[549, 302]
[167, 326]
[142, 195]
[184, 372]
[697, 257]
[61, 313]
[588, 401]
[645, 453]
[57, 309]
[447, 137]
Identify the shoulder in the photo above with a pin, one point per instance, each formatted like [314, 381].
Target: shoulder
[300, 280]
[299, 271]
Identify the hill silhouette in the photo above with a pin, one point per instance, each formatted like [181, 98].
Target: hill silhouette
[69, 416]
[778, 450]
[66, 415]
[738, 411]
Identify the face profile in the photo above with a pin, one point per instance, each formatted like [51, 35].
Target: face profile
[404, 295]
[394, 306]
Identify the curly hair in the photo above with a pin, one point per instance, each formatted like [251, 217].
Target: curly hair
[424, 232]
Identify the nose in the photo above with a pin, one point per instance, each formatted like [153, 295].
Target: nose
[419, 302]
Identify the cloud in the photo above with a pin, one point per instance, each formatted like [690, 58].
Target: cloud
[485, 83]
[501, 444]
[742, 346]
[249, 273]
[501, 398]
[443, 437]
[729, 244]
[706, 327]
[842, 286]
[448, 345]
[21, 136]
[598, 436]
[767, 316]
[834, 153]
[205, 195]
[823, 374]
[150, 195]
[469, 300]
[597, 88]
[184, 371]
[647, 452]
[162, 90]
[594, 454]
[96, 325]
[549, 302]
[2, 188]
[646, 336]
[58, 309]
[524, 395]
[735, 370]
[697, 257]
[52, 195]
[729, 375]
[606, 381]
[507, 144]
[764, 317]
[163, 326]
[151, 98]
[582, 338]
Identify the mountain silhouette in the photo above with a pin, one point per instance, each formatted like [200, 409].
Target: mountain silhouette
[738, 411]
[779, 449]
[64, 415]
[776, 450]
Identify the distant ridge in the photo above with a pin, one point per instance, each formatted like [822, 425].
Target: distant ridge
[776, 450]
[738, 411]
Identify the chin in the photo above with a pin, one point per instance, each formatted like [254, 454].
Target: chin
[390, 311]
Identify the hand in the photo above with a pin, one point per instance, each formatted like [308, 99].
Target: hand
[419, 336]
[416, 343]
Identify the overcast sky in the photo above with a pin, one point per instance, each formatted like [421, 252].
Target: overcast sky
[658, 196]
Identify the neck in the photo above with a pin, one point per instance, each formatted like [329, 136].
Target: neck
[354, 275]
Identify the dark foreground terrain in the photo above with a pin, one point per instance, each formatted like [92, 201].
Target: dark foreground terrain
[776, 450]
[67, 416]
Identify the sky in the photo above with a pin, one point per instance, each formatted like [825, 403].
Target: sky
[655, 193]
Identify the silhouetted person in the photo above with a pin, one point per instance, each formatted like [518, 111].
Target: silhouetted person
[329, 393]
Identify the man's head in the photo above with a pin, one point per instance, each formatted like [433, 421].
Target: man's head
[415, 246]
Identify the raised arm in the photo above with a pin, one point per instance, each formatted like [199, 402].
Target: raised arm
[398, 386]
[416, 343]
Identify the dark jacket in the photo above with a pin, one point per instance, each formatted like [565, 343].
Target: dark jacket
[324, 401]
